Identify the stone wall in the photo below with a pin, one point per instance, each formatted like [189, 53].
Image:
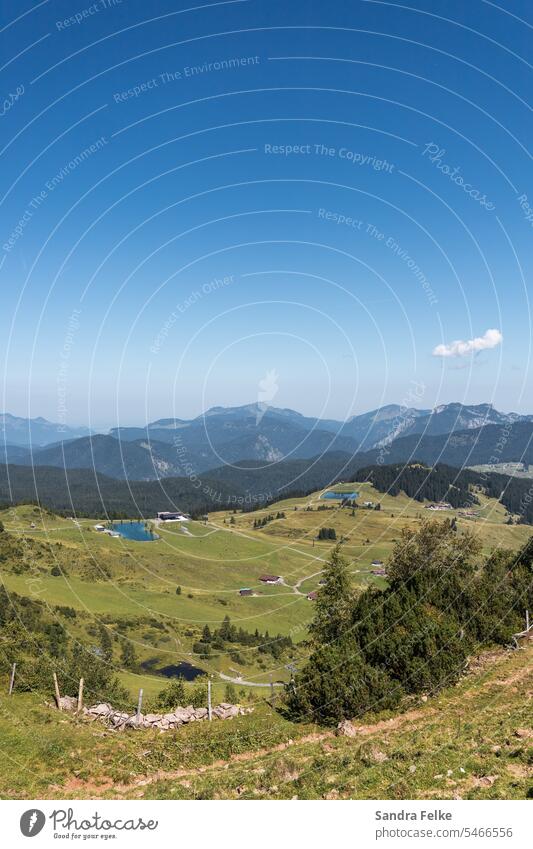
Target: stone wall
[121, 720]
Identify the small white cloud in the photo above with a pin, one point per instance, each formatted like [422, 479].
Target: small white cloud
[461, 348]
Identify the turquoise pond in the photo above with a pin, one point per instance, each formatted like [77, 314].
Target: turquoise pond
[339, 496]
[136, 531]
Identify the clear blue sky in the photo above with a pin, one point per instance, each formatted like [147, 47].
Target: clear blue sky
[195, 199]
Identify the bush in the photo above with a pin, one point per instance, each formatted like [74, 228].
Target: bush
[203, 649]
[337, 684]
[172, 696]
[197, 696]
[230, 694]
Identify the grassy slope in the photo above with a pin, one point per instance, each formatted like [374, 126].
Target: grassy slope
[215, 561]
[468, 742]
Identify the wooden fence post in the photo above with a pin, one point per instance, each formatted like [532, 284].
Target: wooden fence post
[56, 688]
[80, 696]
[209, 711]
[139, 706]
[12, 679]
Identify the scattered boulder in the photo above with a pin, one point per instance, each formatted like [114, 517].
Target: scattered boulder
[374, 756]
[345, 728]
[523, 733]
[68, 703]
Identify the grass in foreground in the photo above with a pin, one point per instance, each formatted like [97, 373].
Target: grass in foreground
[471, 741]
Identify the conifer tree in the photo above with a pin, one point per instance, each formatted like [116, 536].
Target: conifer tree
[333, 603]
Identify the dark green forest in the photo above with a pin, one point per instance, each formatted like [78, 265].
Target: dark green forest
[86, 493]
[369, 651]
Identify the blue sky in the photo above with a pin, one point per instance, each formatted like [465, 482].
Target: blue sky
[195, 198]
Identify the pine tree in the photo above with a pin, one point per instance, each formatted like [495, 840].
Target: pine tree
[434, 548]
[106, 645]
[332, 609]
[128, 655]
[227, 630]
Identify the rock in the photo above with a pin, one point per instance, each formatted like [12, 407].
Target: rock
[200, 713]
[423, 698]
[102, 709]
[182, 714]
[226, 712]
[487, 780]
[345, 728]
[376, 756]
[118, 717]
[152, 718]
[68, 703]
[412, 769]
[523, 733]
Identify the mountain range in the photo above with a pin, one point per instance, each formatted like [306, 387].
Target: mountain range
[15, 430]
[251, 439]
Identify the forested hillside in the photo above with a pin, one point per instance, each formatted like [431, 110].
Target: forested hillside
[421, 482]
[457, 486]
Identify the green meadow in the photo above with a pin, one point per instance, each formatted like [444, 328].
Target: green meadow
[189, 578]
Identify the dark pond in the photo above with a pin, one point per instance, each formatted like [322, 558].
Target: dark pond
[174, 670]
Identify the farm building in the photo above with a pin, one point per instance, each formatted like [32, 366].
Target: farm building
[439, 505]
[270, 579]
[312, 596]
[246, 591]
[169, 516]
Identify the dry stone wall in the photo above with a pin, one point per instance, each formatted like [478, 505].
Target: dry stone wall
[121, 720]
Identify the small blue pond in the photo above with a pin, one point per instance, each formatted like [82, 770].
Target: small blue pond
[136, 531]
[333, 494]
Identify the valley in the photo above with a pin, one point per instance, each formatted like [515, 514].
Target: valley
[160, 594]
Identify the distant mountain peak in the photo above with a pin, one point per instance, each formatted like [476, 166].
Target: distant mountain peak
[36, 432]
[251, 409]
